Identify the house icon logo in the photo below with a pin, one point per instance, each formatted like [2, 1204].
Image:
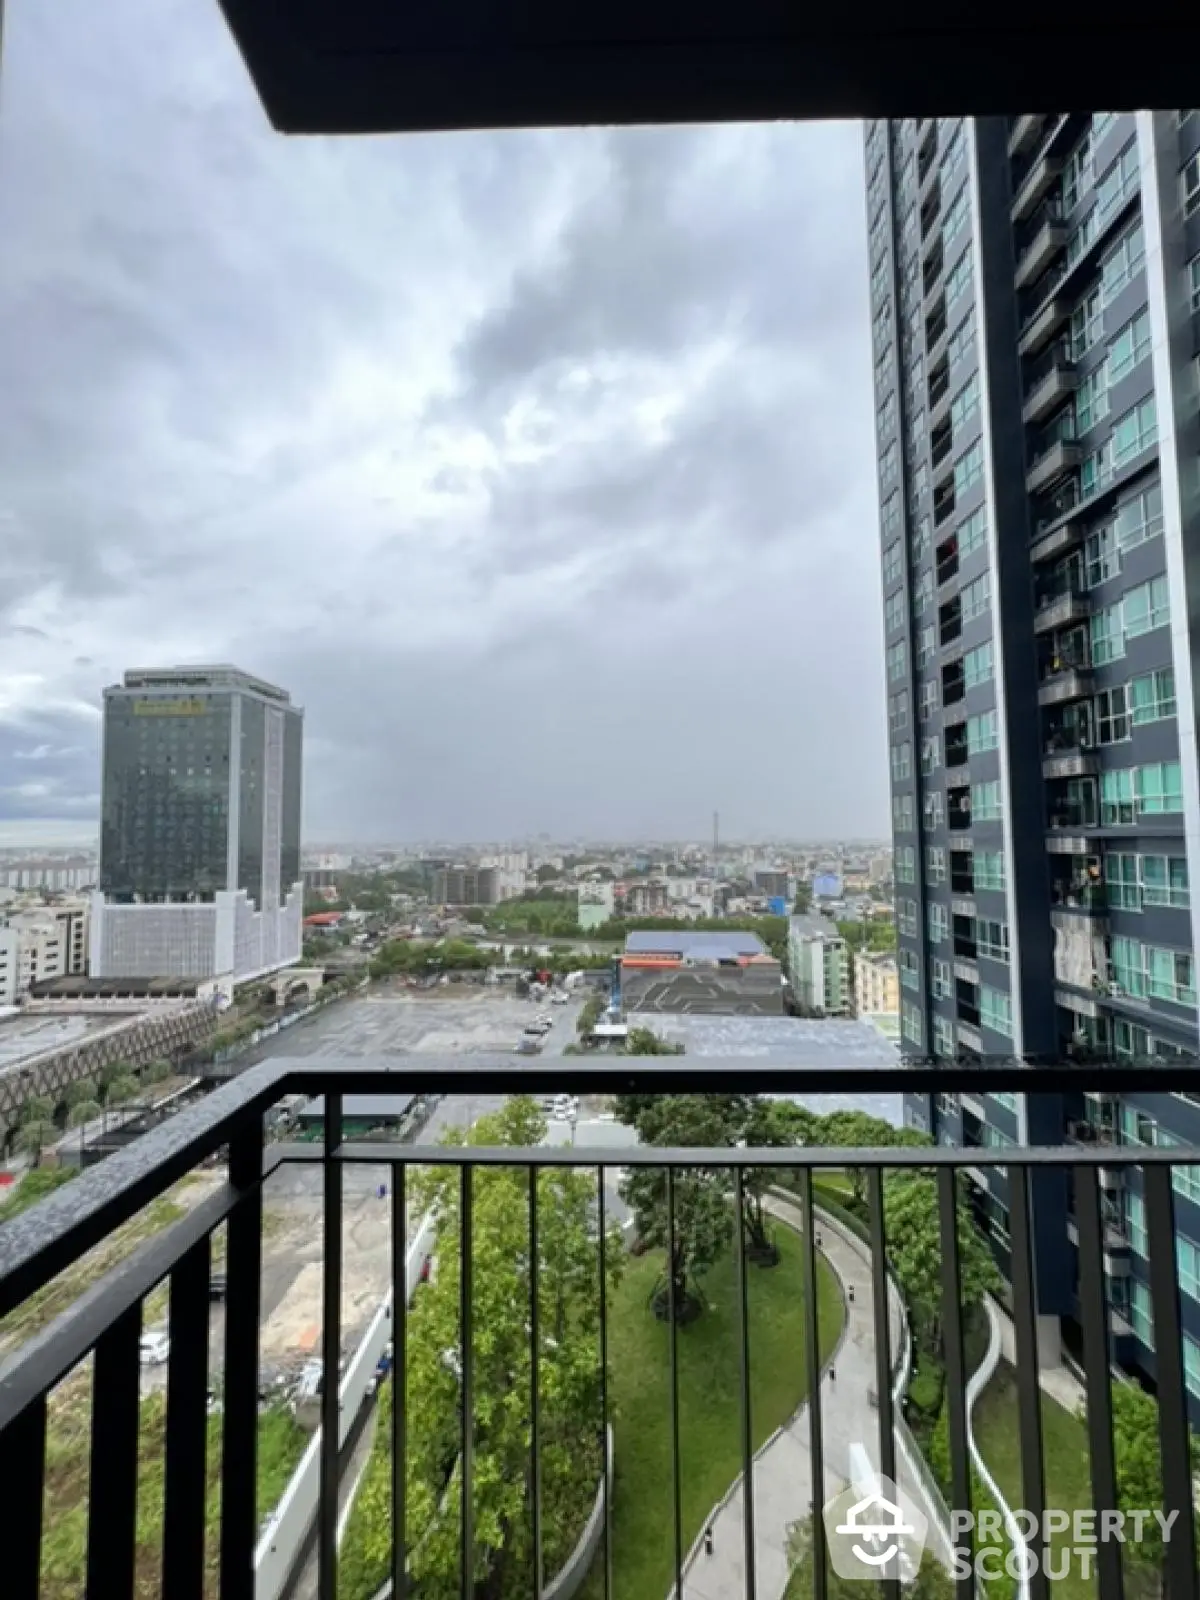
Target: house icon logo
[874, 1531]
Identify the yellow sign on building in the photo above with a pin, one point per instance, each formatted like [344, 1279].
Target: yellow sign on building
[169, 708]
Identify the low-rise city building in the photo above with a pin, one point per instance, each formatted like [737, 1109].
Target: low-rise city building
[819, 967]
[876, 983]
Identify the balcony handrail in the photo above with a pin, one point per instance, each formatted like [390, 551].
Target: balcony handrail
[1056, 357]
[1068, 588]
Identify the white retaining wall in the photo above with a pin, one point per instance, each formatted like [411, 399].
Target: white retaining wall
[288, 1525]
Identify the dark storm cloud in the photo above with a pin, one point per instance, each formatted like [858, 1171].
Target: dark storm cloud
[538, 467]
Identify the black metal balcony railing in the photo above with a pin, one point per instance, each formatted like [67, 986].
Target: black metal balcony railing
[1079, 894]
[106, 1322]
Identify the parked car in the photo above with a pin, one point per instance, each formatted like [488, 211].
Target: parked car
[527, 1047]
[154, 1348]
[218, 1286]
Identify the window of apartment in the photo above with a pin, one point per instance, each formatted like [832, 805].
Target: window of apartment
[1165, 881]
[920, 481]
[941, 979]
[901, 762]
[1101, 555]
[922, 538]
[991, 938]
[1112, 715]
[977, 665]
[1116, 798]
[889, 463]
[1187, 1260]
[995, 1012]
[965, 403]
[902, 813]
[934, 809]
[1077, 172]
[1087, 325]
[1135, 1225]
[1139, 518]
[935, 863]
[906, 864]
[906, 918]
[958, 279]
[879, 279]
[889, 516]
[1145, 608]
[1118, 182]
[1107, 635]
[897, 660]
[1194, 280]
[1152, 696]
[983, 733]
[1191, 186]
[927, 695]
[1159, 788]
[916, 437]
[893, 561]
[992, 1135]
[885, 366]
[939, 921]
[972, 532]
[923, 594]
[943, 1036]
[1171, 976]
[1129, 346]
[976, 597]
[1136, 431]
[1122, 263]
[1091, 399]
[955, 219]
[912, 1025]
[916, 375]
[931, 755]
[910, 971]
[962, 339]
[893, 611]
[989, 869]
[926, 645]
[986, 803]
[968, 469]
[898, 711]
[1122, 882]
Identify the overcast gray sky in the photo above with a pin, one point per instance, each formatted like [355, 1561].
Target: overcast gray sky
[539, 467]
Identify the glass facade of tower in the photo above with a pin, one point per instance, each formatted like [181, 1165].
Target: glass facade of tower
[1035, 295]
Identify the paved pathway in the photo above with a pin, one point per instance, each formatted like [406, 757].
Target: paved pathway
[782, 1472]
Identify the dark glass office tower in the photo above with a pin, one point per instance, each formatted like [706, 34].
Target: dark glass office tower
[200, 799]
[1035, 288]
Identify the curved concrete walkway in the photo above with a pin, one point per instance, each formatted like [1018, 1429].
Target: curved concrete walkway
[782, 1470]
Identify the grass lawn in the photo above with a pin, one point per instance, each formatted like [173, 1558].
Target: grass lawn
[1067, 1463]
[710, 1450]
[68, 1442]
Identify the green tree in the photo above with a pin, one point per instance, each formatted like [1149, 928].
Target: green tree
[33, 1137]
[80, 1089]
[83, 1111]
[569, 1379]
[915, 1252]
[703, 1213]
[645, 1042]
[802, 904]
[38, 1108]
[1138, 1458]
[590, 1013]
[122, 1088]
[858, 1130]
[157, 1072]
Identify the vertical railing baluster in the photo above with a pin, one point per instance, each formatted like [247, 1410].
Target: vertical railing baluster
[956, 1366]
[880, 1288]
[186, 1470]
[1093, 1314]
[239, 1439]
[466, 1296]
[112, 1497]
[605, 1473]
[673, 1364]
[24, 1441]
[399, 1378]
[1029, 1394]
[331, 1353]
[739, 1198]
[812, 1360]
[535, 1339]
[1173, 1431]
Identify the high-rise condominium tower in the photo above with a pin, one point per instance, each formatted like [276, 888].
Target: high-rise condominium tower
[200, 830]
[1035, 290]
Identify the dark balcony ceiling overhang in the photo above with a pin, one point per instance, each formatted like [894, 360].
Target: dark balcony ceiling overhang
[376, 66]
